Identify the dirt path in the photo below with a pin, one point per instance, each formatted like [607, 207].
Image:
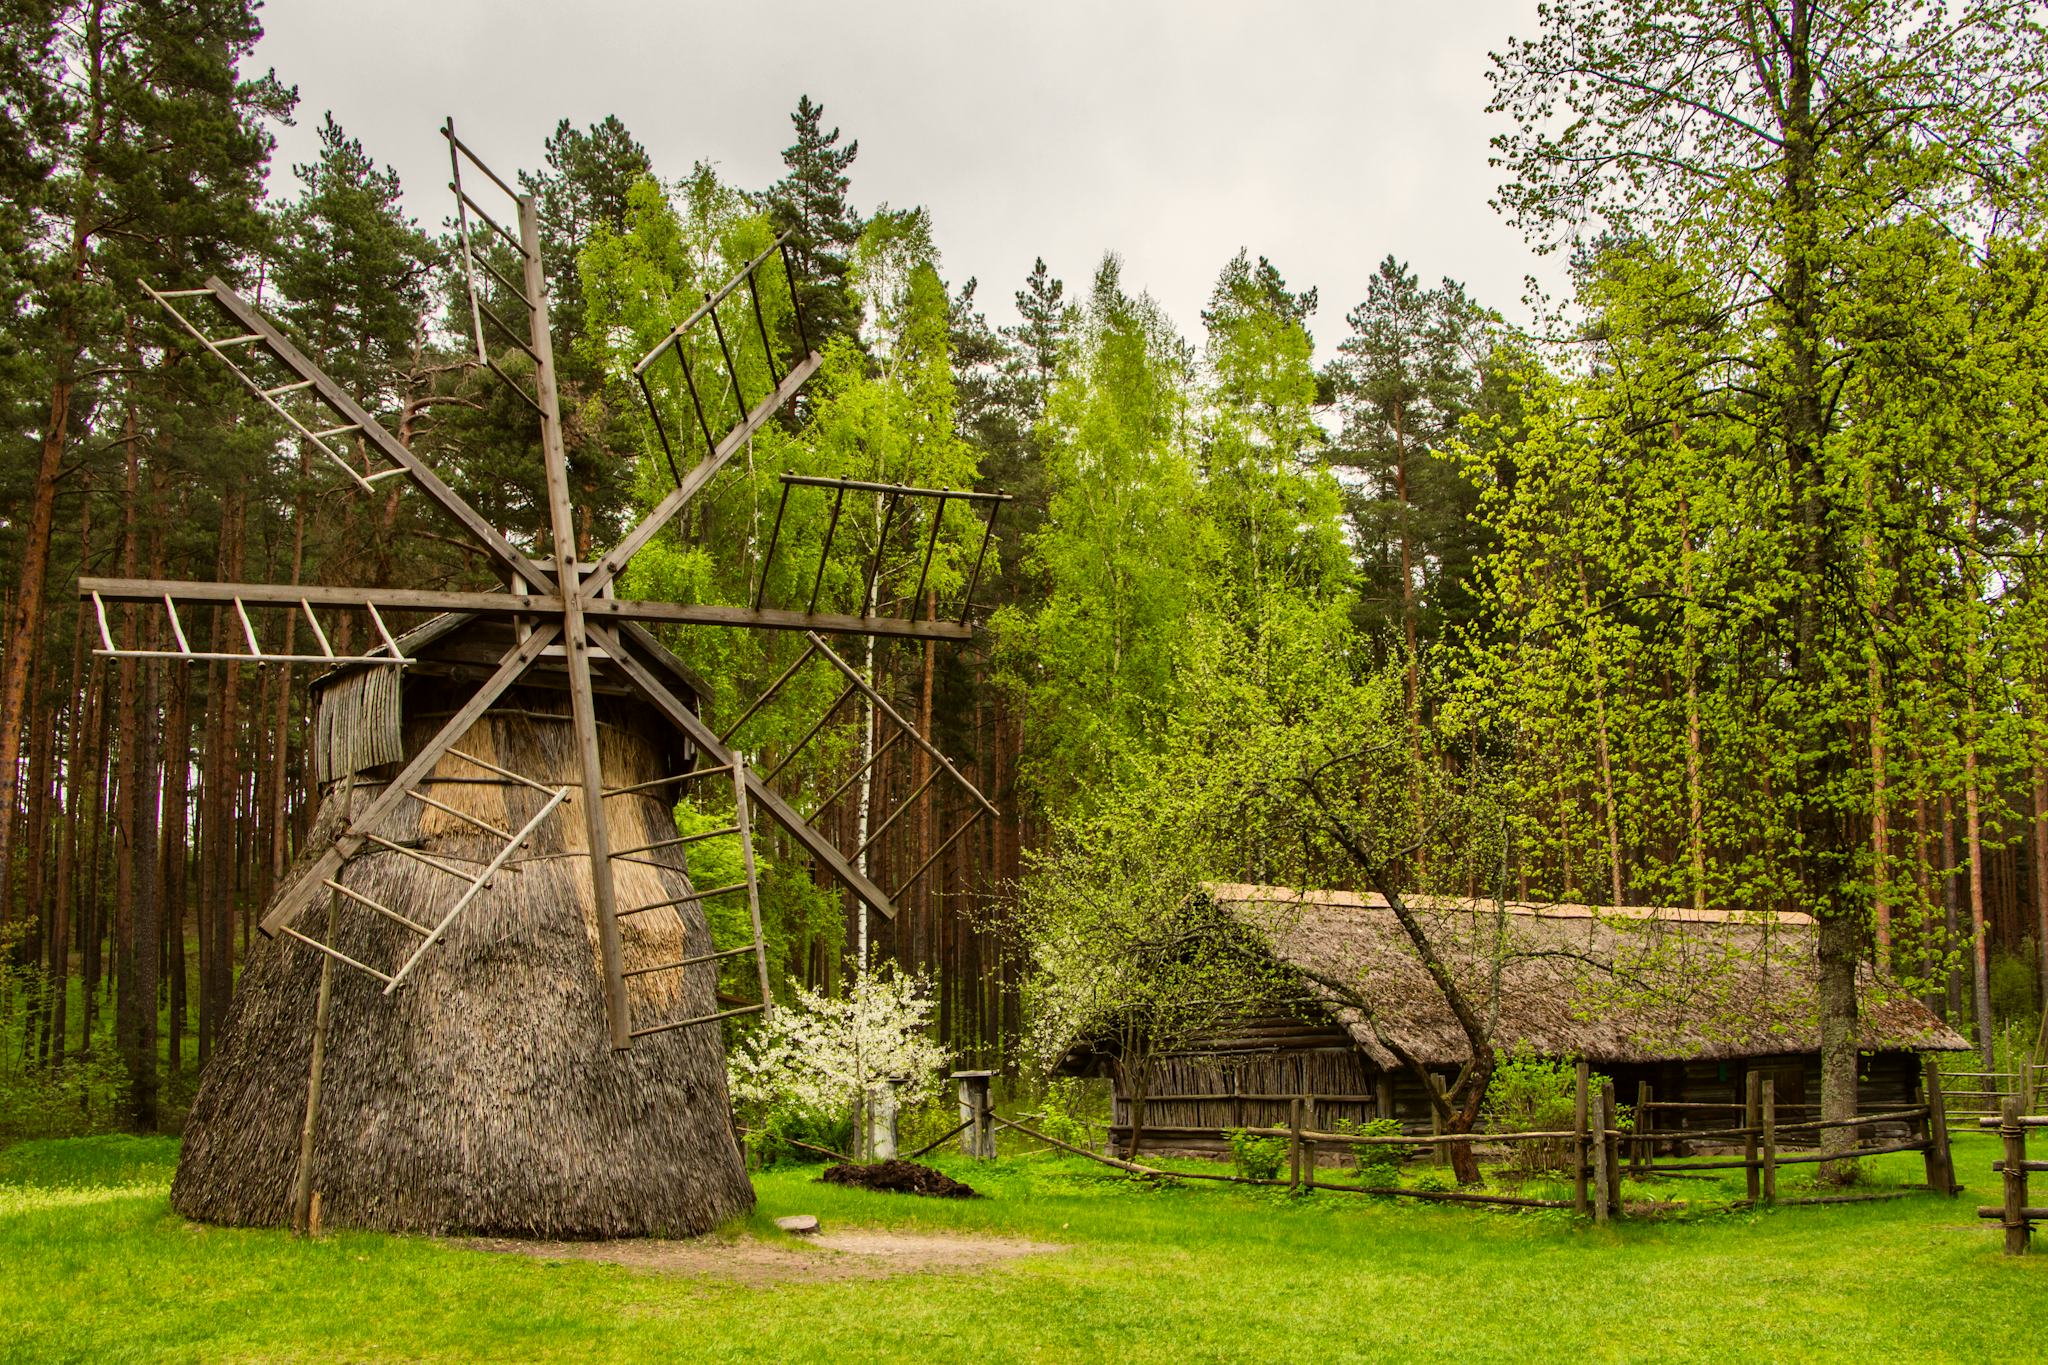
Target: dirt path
[847, 1254]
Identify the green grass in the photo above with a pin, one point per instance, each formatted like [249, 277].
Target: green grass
[99, 1269]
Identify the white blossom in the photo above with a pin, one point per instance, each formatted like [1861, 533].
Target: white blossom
[827, 1054]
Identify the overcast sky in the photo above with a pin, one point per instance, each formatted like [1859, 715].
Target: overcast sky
[1321, 135]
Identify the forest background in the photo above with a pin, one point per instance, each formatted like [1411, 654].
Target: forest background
[1716, 587]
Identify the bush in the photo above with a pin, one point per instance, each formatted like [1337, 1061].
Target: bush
[1256, 1158]
[1435, 1179]
[774, 1133]
[1534, 1094]
[1376, 1164]
[1062, 1112]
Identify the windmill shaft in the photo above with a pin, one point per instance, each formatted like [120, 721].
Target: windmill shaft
[575, 633]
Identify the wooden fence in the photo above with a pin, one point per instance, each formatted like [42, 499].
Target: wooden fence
[2017, 1216]
[1596, 1145]
[1985, 1092]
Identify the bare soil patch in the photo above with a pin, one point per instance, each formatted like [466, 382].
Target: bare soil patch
[847, 1254]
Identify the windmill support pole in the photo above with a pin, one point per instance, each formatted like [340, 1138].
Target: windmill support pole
[302, 1187]
[575, 633]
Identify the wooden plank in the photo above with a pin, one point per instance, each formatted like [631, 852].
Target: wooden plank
[387, 445]
[1752, 1120]
[707, 740]
[1579, 1152]
[1770, 1127]
[499, 603]
[1940, 1164]
[294, 902]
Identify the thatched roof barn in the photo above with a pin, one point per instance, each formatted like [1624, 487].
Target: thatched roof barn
[1685, 1001]
[483, 1095]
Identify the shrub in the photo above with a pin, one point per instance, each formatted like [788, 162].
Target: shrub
[1376, 1164]
[1535, 1094]
[775, 1131]
[1256, 1158]
[1062, 1112]
[1434, 1178]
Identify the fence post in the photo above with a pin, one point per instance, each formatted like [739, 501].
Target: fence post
[1308, 1150]
[1598, 1137]
[1579, 1153]
[1940, 1162]
[1294, 1143]
[1641, 1146]
[2017, 1228]
[1610, 1121]
[1752, 1119]
[1770, 1088]
[978, 1138]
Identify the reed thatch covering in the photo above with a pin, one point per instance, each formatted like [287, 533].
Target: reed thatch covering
[483, 1095]
[1615, 986]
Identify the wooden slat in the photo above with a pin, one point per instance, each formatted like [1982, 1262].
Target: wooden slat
[498, 603]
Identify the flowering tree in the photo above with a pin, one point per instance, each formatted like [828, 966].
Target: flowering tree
[829, 1055]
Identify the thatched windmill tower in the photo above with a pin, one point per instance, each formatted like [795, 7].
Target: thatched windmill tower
[489, 998]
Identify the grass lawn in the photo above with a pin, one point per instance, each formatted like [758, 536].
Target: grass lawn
[97, 1268]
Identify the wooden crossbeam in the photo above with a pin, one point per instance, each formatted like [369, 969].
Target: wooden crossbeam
[506, 604]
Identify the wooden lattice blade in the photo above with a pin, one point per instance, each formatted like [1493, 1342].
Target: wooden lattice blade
[621, 645]
[496, 603]
[389, 446]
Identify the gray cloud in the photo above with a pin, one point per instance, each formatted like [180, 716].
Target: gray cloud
[1321, 135]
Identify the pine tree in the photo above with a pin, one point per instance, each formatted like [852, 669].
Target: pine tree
[589, 174]
[1039, 335]
[810, 203]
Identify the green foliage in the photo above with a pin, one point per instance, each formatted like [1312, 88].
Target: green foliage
[1064, 1111]
[1255, 1157]
[774, 1130]
[1376, 1164]
[1436, 1179]
[1535, 1094]
[2015, 984]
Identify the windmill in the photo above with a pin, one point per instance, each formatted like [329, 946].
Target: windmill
[524, 993]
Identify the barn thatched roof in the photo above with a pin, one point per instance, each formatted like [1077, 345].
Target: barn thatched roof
[1612, 985]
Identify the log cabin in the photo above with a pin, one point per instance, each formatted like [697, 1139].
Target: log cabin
[1685, 1002]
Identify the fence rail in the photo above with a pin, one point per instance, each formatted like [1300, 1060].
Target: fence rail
[1597, 1143]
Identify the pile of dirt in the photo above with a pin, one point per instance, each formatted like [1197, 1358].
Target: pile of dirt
[898, 1177]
